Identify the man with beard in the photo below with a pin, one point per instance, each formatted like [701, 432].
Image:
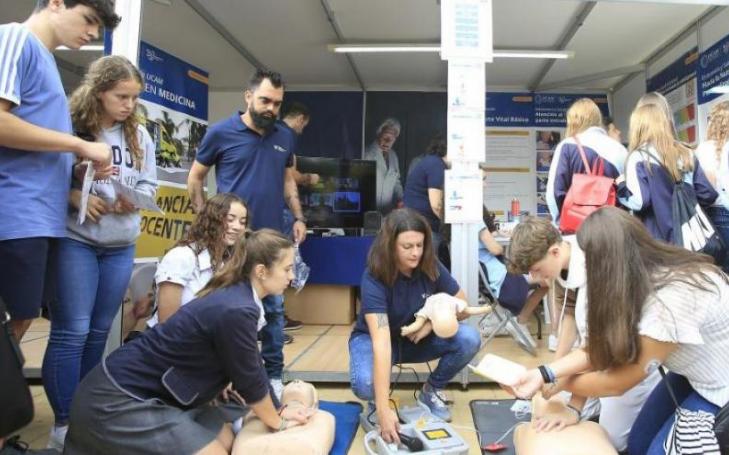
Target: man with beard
[253, 158]
[389, 186]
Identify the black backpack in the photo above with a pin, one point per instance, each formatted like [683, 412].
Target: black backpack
[16, 403]
[692, 229]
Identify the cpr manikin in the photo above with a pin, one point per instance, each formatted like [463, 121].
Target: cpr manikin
[571, 440]
[314, 438]
[442, 310]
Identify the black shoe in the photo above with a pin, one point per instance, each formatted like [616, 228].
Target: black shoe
[291, 324]
[14, 446]
[288, 339]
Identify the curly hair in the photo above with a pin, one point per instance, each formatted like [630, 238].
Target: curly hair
[208, 229]
[718, 130]
[87, 109]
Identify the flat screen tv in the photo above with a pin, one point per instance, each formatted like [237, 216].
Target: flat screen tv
[345, 191]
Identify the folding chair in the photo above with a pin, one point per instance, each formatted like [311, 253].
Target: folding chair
[505, 317]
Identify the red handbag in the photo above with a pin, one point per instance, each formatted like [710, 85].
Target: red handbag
[588, 192]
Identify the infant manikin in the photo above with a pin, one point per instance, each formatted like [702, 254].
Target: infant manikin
[571, 440]
[442, 311]
[315, 438]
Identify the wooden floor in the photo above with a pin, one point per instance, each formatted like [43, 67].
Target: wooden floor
[318, 354]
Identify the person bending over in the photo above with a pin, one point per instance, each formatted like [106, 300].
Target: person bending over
[153, 394]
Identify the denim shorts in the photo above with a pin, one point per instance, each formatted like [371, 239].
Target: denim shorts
[26, 276]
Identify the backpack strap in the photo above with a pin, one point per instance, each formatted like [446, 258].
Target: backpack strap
[660, 163]
[598, 168]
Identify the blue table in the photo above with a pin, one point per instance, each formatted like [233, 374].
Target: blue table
[336, 260]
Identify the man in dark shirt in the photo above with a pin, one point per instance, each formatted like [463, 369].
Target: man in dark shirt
[253, 158]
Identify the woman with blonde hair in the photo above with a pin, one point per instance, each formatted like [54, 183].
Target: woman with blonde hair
[94, 261]
[713, 157]
[657, 160]
[584, 132]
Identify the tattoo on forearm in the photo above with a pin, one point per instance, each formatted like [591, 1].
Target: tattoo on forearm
[382, 321]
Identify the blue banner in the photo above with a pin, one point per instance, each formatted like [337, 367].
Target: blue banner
[713, 70]
[509, 109]
[675, 74]
[550, 109]
[173, 83]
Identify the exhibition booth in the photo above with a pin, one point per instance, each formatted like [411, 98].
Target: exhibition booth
[196, 56]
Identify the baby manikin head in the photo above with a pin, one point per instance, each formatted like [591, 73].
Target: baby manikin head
[300, 393]
[443, 311]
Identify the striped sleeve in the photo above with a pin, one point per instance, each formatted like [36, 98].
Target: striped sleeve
[676, 313]
[12, 42]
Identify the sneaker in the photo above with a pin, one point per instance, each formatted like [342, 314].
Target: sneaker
[524, 332]
[552, 342]
[14, 446]
[288, 339]
[430, 400]
[277, 386]
[292, 324]
[57, 437]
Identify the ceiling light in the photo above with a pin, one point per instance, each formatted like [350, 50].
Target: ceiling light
[406, 47]
[87, 48]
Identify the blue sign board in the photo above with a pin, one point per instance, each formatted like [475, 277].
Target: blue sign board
[675, 74]
[173, 83]
[713, 69]
[509, 109]
[550, 109]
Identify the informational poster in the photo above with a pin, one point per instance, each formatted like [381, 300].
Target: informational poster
[466, 88]
[174, 106]
[466, 30]
[509, 153]
[463, 194]
[713, 80]
[677, 82]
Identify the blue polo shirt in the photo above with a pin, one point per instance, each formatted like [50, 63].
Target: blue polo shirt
[251, 166]
[33, 186]
[428, 173]
[402, 300]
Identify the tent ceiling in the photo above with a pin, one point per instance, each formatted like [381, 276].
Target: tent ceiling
[290, 36]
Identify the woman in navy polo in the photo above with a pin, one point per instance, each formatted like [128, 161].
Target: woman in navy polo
[153, 394]
[402, 271]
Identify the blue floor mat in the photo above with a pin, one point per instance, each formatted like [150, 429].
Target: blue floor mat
[346, 416]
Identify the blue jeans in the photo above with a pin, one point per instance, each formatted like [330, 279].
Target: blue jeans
[654, 422]
[272, 336]
[454, 354]
[91, 282]
[720, 217]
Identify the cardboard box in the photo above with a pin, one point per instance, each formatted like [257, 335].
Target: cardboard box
[321, 304]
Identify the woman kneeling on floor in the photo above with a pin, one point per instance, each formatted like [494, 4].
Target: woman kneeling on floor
[153, 394]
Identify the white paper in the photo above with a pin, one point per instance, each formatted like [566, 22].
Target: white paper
[136, 198]
[85, 190]
[463, 194]
[499, 369]
[466, 29]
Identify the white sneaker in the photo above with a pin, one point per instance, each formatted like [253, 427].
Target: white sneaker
[57, 438]
[552, 342]
[277, 387]
[524, 331]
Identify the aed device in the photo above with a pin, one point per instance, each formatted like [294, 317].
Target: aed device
[437, 437]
